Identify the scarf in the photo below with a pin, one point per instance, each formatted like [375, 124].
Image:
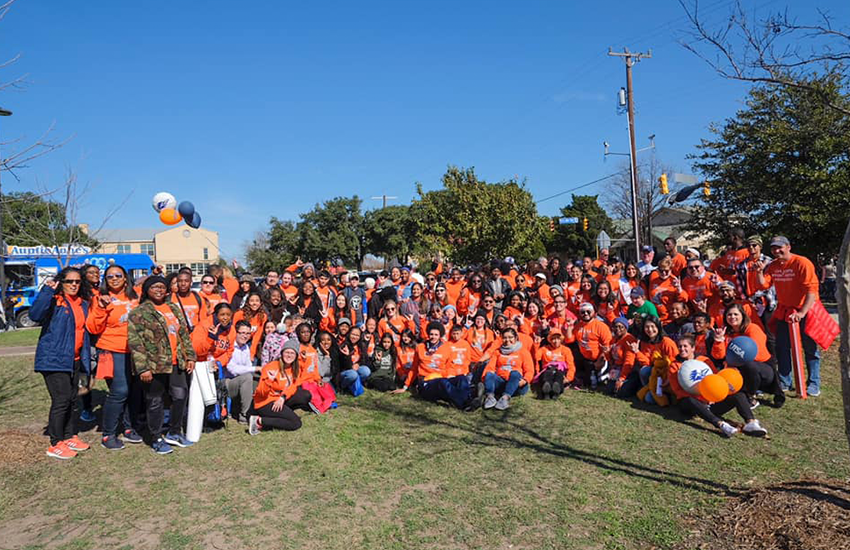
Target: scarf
[507, 350]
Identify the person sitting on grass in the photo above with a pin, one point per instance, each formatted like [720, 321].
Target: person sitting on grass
[353, 359]
[278, 394]
[712, 413]
[405, 374]
[508, 372]
[557, 366]
[383, 363]
[625, 380]
[654, 352]
[431, 366]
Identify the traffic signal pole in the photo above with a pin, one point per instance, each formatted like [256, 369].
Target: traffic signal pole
[630, 59]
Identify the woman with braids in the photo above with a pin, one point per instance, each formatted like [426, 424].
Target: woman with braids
[253, 313]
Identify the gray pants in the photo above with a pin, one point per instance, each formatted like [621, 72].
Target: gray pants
[241, 389]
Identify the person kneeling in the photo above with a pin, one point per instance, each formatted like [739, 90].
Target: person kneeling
[278, 393]
[713, 413]
[509, 372]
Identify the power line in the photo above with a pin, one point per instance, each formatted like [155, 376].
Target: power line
[579, 187]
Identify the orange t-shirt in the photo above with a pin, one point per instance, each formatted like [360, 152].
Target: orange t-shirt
[404, 365]
[459, 356]
[793, 280]
[196, 311]
[519, 360]
[726, 264]
[273, 385]
[593, 338]
[430, 366]
[111, 322]
[697, 289]
[308, 365]
[479, 340]
[718, 350]
[679, 264]
[257, 322]
[173, 324]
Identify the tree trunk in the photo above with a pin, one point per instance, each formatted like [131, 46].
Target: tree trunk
[844, 322]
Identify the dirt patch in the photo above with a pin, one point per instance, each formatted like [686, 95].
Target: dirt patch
[20, 448]
[797, 515]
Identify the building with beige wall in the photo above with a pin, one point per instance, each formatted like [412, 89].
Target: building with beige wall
[179, 246]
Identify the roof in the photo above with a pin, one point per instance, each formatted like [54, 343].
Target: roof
[125, 235]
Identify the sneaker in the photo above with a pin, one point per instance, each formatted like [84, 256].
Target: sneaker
[131, 436]
[178, 440]
[754, 429]
[87, 416]
[61, 451]
[160, 447]
[728, 429]
[314, 408]
[490, 401]
[254, 425]
[76, 444]
[779, 400]
[754, 403]
[814, 392]
[503, 403]
[334, 405]
[545, 390]
[112, 443]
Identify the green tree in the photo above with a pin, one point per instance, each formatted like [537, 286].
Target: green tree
[332, 230]
[781, 165]
[572, 239]
[390, 233]
[472, 220]
[30, 220]
[274, 249]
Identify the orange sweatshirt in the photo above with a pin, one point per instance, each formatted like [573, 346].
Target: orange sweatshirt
[479, 340]
[622, 356]
[197, 308]
[519, 360]
[663, 292]
[666, 347]
[547, 354]
[792, 279]
[273, 385]
[395, 327]
[593, 337]
[206, 348]
[111, 322]
[718, 350]
[430, 366]
[717, 311]
[459, 356]
[257, 323]
[404, 366]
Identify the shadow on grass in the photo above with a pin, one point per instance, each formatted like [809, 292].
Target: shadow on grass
[816, 490]
[507, 433]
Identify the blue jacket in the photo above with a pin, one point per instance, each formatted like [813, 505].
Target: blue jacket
[55, 350]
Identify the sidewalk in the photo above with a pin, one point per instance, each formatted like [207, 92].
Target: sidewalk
[17, 350]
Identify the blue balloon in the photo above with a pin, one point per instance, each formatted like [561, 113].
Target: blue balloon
[186, 209]
[740, 351]
[195, 222]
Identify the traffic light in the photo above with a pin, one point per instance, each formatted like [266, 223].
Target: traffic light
[665, 190]
[552, 225]
[584, 223]
[706, 190]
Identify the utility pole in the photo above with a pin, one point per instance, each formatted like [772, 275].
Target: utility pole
[384, 198]
[3, 112]
[630, 59]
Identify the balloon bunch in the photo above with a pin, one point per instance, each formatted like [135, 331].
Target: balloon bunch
[696, 378]
[170, 213]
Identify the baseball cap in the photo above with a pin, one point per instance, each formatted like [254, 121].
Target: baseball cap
[646, 248]
[540, 276]
[779, 240]
[637, 291]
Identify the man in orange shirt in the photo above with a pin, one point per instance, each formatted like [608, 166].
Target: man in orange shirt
[796, 283]
[678, 259]
[726, 266]
[454, 285]
[593, 339]
[431, 364]
[698, 283]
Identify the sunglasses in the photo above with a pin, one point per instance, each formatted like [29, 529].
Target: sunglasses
[207, 282]
[71, 281]
[115, 276]
[693, 267]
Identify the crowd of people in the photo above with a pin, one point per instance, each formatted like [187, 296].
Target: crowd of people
[474, 337]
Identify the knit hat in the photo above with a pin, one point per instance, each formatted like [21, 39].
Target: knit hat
[292, 344]
[150, 281]
[621, 320]
[556, 287]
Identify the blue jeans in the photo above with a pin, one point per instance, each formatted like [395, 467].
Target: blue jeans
[115, 405]
[347, 377]
[783, 356]
[455, 390]
[493, 383]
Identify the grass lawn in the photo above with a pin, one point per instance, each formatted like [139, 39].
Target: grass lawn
[19, 337]
[387, 471]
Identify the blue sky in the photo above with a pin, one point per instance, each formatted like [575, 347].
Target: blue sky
[263, 108]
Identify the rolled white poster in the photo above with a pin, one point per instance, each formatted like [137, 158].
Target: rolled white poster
[206, 380]
[195, 418]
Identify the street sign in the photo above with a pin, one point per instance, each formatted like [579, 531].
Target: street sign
[563, 221]
[603, 240]
[688, 179]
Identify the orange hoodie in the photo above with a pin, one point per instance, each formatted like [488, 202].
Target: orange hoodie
[479, 340]
[111, 322]
[258, 321]
[219, 349]
[666, 347]
[404, 366]
[273, 385]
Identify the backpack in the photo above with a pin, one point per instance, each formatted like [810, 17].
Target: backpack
[220, 411]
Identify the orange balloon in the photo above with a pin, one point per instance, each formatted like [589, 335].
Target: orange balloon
[170, 216]
[734, 378]
[714, 388]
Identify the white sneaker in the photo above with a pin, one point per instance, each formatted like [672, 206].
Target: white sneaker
[490, 401]
[754, 428]
[253, 424]
[503, 403]
[728, 429]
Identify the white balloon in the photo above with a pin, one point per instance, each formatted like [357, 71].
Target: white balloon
[164, 200]
[691, 374]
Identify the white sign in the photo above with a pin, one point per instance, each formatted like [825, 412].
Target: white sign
[603, 240]
[563, 221]
[51, 251]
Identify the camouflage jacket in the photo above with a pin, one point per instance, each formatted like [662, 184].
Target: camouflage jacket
[147, 337]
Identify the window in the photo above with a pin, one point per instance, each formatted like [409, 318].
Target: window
[123, 249]
[199, 269]
[173, 268]
[147, 249]
[206, 253]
